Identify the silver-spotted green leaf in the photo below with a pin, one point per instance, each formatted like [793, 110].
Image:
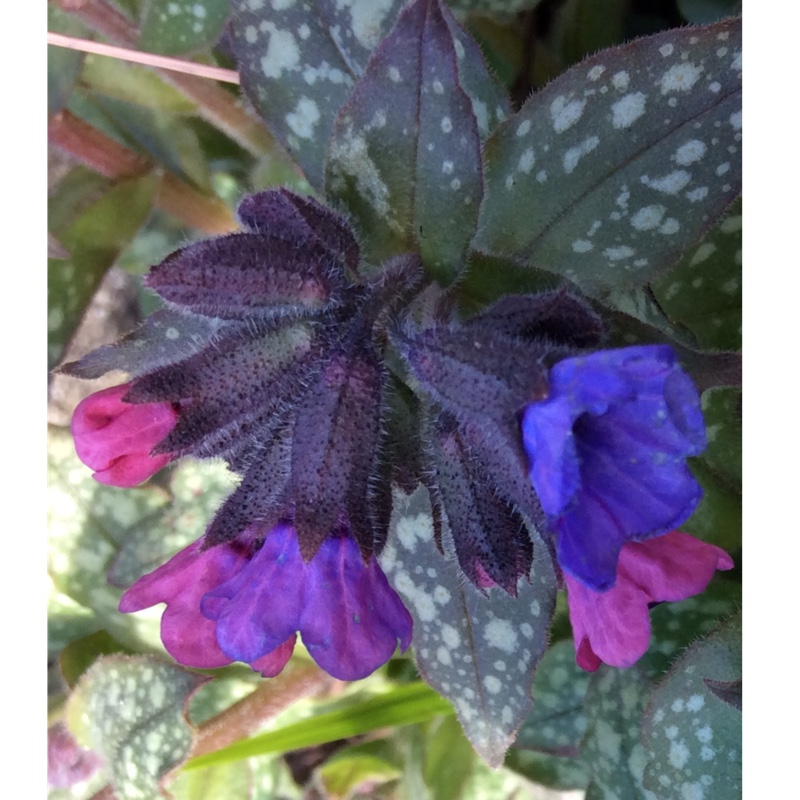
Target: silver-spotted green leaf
[86, 524]
[130, 711]
[165, 337]
[171, 27]
[297, 65]
[611, 749]
[556, 772]
[557, 722]
[405, 157]
[618, 166]
[694, 735]
[704, 291]
[722, 410]
[93, 239]
[479, 650]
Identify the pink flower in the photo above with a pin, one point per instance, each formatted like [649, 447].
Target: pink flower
[116, 438]
[613, 627]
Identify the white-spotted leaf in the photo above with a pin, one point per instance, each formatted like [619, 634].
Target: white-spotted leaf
[299, 61]
[180, 26]
[478, 650]
[405, 157]
[611, 749]
[704, 291]
[130, 710]
[692, 726]
[611, 172]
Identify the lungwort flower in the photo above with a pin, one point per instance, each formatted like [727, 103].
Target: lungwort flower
[607, 449]
[116, 438]
[613, 627]
[246, 600]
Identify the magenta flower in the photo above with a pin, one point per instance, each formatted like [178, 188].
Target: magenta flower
[116, 438]
[613, 627]
[243, 602]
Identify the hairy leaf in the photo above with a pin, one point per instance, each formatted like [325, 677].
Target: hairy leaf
[609, 174]
[405, 155]
[130, 710]
[694, 735]
[298, 63]
[478, 649]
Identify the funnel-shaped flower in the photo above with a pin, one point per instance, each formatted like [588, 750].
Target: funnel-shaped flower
[239, 602]
[116, 438]
[613, 627]
[608, 450]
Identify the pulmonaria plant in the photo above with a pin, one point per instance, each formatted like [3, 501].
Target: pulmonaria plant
[334, 354]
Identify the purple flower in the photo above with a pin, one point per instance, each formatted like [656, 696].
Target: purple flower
[613, 627]
[607, 452]
[243, 602]
[116, 438]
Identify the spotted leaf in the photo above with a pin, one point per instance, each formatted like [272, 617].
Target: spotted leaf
[165, 337]
[704, 291]
[477, 649]
[130, 710]
[693, 734]
[611, 749]
[180, 26]
[297, 65]
[405, 158]
[611, 172]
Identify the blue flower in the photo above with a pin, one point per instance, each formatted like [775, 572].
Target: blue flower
[608, 450]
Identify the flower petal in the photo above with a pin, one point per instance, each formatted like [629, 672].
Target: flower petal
[259, 608]
[352, 619]
[188, 636]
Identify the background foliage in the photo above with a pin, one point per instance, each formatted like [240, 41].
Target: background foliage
[143, 160]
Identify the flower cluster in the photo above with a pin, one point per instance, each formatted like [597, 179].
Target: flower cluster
[519, 421]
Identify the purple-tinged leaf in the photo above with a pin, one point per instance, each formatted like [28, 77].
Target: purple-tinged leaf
[704, 291]
[298, 62]
[694, 736]
[165, 337]
[246, 275]
[491, 537]
[609, 174]
[336, 435]
[405, 155]
[297, 217]
[479, 650]
[174, 28]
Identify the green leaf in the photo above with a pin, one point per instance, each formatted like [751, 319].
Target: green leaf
[718, 518]
[297, 65]
[403, 705]
[722, 409]
[352, 773]
[582, 27]
[130, 711]
[78, 656]
[493, 6]
[63, 65]
[449, 761]
[133, 83]
[219, 782]
[556, 772]
[701, 12]
[693, 735]
[86, 523]
[557, 722]
[93, 240]
[405, 156]
[173, 27]
[704, 291]
[611, 748]
[618, 166]
[478, 650]
[67, 620]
